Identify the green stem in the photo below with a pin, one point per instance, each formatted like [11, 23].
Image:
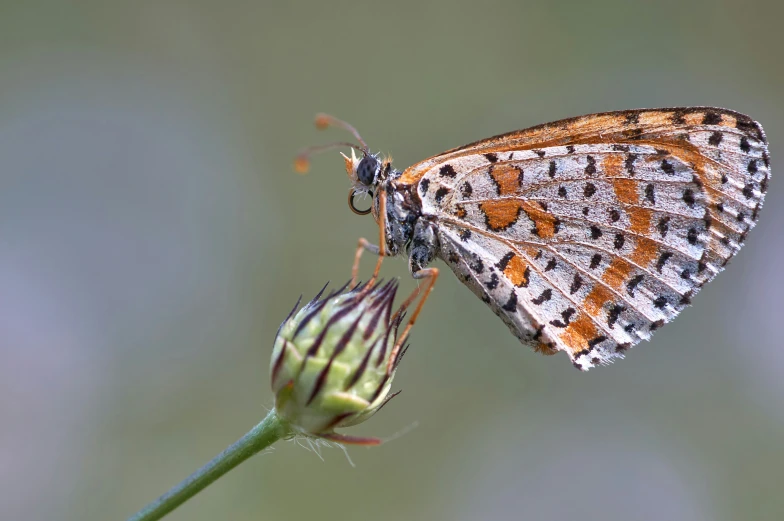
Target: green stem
[270, 430]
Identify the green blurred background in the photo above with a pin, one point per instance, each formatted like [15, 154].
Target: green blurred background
[153, 235]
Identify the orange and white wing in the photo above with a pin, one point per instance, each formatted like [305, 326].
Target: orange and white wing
[588, 234]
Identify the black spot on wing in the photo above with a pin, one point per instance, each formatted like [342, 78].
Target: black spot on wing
[613, 314]
[566, 315]
[633, 283]
[650, 194]
[691, 236]
[629, 163]
[688, 197]
[660, 302]
[715, 138]
[543, 297]
[447, 171]
[511, 304]
[596, 341]
[663, 226]
[711, 118]
[504, 262]
[663, 258]
[677, 117]
[576, 284]
[493, 282]
[590, 169]
[441, 193]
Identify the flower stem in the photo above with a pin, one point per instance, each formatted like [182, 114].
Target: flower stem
[267, 432]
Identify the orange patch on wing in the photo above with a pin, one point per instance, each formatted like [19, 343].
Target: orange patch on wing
[694, 118]
[596, 298]
[592, 125]
[501, 214]
[653, 118]
[578, 333]
[545, 349]
[530, 251]
[617, 273]
[644, 252]
[626, 191]
[460, 211]
[728, 121]
[508, 179]
[545, 222]
[516, 271]
[613, 165]
[640, 220]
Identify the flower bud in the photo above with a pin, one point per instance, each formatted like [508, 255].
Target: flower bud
[334, 360]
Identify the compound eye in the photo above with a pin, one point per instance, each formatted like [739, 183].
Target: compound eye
[366, 170]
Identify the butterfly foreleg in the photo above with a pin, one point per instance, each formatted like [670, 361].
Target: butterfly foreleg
[364, 244]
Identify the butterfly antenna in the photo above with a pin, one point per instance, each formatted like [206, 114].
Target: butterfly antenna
[302, 161]
[324, 121]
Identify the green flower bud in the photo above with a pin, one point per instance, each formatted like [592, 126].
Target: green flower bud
[334, 360]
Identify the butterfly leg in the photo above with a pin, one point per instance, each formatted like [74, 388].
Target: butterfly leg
[430, 275]
[365, 245]
[423, 251]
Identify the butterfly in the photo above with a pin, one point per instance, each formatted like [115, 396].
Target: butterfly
[584, 235]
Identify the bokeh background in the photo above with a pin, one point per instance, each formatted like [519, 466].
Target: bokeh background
[153, 235]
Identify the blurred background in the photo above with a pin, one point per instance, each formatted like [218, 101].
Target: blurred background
[153, 235]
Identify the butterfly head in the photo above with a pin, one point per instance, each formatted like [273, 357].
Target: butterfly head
[366, 173]
[363, 172]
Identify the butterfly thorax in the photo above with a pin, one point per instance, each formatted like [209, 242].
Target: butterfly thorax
[407, 230]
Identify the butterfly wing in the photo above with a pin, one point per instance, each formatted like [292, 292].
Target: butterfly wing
[586, 235]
